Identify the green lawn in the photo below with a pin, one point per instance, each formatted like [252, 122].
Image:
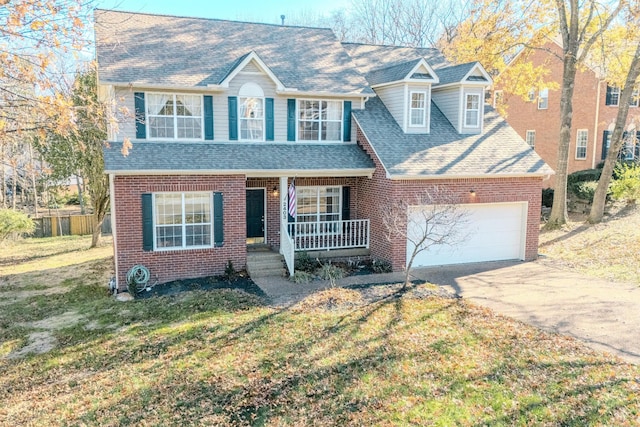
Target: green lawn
[224, 358]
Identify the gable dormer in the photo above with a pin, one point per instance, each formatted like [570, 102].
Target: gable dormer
[460, 96]
[405, 89]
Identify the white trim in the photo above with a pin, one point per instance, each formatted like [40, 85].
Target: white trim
[114, 235]
[175, 116]
[318, 94]
[546, 107]
[466, 84]
[424, 109]
[317, 188]
[448, 177]
[484, 73]
[183, 224]
[250, 173]
[466, 110]
[407, 78]
[265, 192]
[526, 138]
[136, 86]
[252, 56]
[586, 147]
[240, 118]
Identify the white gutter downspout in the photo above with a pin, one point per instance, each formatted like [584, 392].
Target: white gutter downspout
[595, 126]
[113, 226]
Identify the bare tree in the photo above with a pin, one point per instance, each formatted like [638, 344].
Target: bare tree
[433, 218]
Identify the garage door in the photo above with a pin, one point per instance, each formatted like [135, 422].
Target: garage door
[495, 231]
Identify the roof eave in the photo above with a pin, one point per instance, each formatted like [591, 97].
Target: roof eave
[253, 173]
[295, 92]
[138, 85]
[398, 177]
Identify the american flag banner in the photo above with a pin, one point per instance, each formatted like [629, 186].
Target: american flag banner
[292, 200]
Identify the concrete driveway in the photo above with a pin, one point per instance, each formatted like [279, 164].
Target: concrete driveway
[604, 315]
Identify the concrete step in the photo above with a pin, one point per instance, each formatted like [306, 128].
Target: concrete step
[265, 264]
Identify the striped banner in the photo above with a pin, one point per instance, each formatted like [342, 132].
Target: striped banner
[292, 200]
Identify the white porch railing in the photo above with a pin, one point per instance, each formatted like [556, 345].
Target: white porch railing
[288, 251]
[312, 236]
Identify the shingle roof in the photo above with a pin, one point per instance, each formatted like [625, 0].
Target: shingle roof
[174, 51]
[499, 151]
[391, 74]
[455, 73]
[157, 157]
[374, 57]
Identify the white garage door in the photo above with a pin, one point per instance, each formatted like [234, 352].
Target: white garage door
[495, 231]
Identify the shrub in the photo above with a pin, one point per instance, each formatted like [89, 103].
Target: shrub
[13, 223]
[305, 263]
[381, 266]
[626, 186]
[583, 176]
[584, 190]
[332, 272]
[301, 277]
[230, 273]
[547, 197]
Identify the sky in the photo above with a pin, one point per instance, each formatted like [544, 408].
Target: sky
[267, 11]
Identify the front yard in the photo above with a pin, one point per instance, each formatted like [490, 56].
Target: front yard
[70, 354]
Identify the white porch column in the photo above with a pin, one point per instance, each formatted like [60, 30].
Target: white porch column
[284, 211]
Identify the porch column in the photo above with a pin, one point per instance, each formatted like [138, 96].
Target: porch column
[284, 211]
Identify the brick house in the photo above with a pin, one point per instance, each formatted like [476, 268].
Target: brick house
[230, 116]
[595, 106]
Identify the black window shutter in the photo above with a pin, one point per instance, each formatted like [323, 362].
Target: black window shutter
[208, 117]
[218, 222]
[147, 222]
[233, 118]
[605, 136]
[268, 109]
[141, 130]
[346, 203]
[291, 119]
[346, 113]
[607, 100]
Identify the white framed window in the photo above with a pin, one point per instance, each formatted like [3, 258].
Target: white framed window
[182, 220]
[472, 110]
[531, 138]
[251, 119]
[582, 140]
[174, 116]
[318, 204]
[532, 95]
[543, 99]
[319, 120]
[635, 98]
[613, 96]
[418, 109]
[629, 147]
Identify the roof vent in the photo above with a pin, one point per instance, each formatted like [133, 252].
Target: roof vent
[282, 18]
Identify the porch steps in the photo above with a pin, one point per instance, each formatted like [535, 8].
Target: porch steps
[265, 264]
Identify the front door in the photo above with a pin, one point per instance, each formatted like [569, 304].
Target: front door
[255, 216]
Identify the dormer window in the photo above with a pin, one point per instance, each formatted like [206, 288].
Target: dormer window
[472, 110]
[418, 109]
[174, 116]
[251, 112]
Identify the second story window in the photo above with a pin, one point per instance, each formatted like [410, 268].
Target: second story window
[543, 99]
[472, 110]
[319, 120]
[633, 102]
[174, 116]
[251, 119]
[531, 138]
[418, 109]
[613, 96]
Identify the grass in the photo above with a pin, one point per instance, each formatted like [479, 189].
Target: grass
[223, 358]
[610, 250]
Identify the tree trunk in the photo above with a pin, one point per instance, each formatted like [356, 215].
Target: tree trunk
[600, 196]
[3, 185]
[558, 216]
[14, 186]
[80, 195]
[33, 180]
[97, 230]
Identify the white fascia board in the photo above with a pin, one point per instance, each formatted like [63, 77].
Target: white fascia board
[398, 177]
[251, 173]
[298, 94]
[423, 62]
[461, 83]
[484, 73]
[143, 86]
[252, 56]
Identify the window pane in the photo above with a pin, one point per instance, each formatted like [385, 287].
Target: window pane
[197, 208]
[332, 110]
[168, 209]
[171, 209]
[169, 237]
[308, 131]
[198, 235]
[331, 131]
[160, 105]
[472, 102]
[161, 127]
[189, 127]
[417, 100]
[189, 105]
[309, 110]
[417, 117]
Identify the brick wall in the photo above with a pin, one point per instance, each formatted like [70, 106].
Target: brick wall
[523, 115]
[379, 190]
[178, 264]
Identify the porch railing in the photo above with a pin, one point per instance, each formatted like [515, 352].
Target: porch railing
[288, 251]
[312, 236]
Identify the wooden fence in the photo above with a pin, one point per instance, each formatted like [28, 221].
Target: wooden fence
[69, 225]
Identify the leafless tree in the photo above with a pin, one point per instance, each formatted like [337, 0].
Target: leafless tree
[433, 218]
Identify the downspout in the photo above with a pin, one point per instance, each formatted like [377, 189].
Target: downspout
[113, 228]
[595, 126]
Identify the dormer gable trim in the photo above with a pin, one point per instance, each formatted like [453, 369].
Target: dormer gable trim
[241, 63]
[430, 77]
[468, 78]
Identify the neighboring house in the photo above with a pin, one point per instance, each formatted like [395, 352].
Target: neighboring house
[229, 115]
[595, 107]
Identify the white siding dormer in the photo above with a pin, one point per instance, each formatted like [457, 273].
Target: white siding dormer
[393, 97]
[418, 105]
[471, 116]
[448, 100]
[398, 100]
